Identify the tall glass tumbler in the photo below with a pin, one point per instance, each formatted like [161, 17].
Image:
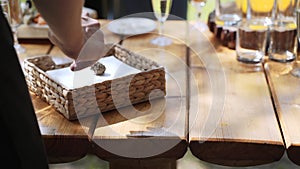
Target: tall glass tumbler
[286, 10]
[251, 41]
[283, 33]
[228, 13]
[242, 6]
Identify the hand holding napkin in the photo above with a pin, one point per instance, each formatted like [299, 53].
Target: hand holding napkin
[92, 49]
[76, 35]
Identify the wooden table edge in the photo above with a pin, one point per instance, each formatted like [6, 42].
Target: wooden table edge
[292, 149]
[246, 152]
[293, 153]
[62, 149]
[177, 152]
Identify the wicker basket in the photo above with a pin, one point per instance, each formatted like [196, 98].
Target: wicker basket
[109, 95]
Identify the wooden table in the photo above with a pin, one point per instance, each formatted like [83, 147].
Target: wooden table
[226, 112]
[284, 87]
[235, 124]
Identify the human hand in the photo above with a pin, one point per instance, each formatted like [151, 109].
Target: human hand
[89, 50]
[93, 48]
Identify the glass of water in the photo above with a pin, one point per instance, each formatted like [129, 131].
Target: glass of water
[228, 13]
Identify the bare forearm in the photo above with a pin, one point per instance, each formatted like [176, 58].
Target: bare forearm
[64, 20]
[79, 37]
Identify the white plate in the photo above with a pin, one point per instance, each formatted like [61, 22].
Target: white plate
[131, 26]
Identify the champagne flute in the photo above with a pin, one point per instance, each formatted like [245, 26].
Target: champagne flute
[198, 5]
[161, 10]
[5, 8]
[15, 19]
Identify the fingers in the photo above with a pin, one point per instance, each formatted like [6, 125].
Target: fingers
[93, 49]
[89, 22]
[89, 31]
[76, 66]
[90, 26]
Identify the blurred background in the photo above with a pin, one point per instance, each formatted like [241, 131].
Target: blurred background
[114, 9]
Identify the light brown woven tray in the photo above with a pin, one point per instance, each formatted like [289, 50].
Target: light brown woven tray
[108, 95]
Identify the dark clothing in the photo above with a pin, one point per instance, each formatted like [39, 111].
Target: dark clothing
[21, 144]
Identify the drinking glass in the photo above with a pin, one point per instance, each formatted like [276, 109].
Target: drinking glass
[161, 10]
[296, 67]
[5, 8]
[251, 41]
[263, 10]
[15, 20]
[228, 13]
[198, 5]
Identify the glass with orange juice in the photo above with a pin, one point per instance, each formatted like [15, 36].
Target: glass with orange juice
[286, 9]
[262, 10]
[242, 6]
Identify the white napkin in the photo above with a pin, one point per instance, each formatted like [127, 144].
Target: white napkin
[86, 77]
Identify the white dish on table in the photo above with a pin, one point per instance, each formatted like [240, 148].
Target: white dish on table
[132, 26]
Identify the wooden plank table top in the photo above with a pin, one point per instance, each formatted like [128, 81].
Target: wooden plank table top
[232, 119]
[285, 89]
[159, 121]
[68, 140]
[221, 108]
[65, 141]
[154, 130]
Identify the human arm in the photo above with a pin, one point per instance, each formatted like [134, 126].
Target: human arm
[71, 32]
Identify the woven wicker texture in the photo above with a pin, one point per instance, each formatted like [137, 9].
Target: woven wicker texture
[99, 97]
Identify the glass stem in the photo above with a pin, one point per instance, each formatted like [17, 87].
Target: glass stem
[161, 28]
[199, 17]
[14, 31]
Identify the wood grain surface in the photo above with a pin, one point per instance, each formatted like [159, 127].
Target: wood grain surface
[285, 90]
[155, 129]
[65, 141]
[233, 122]
[219, 107]
[33, 50]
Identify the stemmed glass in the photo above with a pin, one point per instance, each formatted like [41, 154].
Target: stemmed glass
[198, 5]
[5, 8]
[161, 10]
[14, 18]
